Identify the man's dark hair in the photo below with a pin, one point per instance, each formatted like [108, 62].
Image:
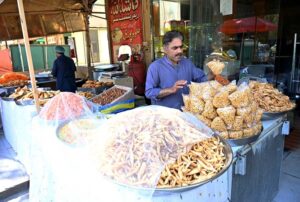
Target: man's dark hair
[170, 35]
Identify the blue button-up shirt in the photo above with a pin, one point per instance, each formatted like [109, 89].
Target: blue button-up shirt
[163, 74]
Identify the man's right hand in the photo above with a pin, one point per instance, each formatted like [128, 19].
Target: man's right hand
[179, 85]
[168, 91]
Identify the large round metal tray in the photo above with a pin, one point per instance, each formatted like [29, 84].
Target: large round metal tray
[166, 191]
[272, 115]
[25, 102]
[244, 141]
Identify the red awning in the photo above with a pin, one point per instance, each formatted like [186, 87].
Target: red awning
[251, 24]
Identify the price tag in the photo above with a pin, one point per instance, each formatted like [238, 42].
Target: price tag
[286, 128]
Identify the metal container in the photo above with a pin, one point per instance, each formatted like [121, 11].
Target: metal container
[167, 191]
[229, 158]
[274, 115]
[25, 102]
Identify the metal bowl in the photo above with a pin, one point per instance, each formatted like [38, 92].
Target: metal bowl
[244, 141]
[25, 102]
[171, 190]
[229, 158]
[272, 115]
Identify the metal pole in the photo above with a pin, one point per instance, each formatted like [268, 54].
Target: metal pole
[28, 53]
[293, 64]
[46, 53]
[88, 46]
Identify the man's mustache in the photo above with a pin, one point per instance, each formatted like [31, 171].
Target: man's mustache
[179, 54]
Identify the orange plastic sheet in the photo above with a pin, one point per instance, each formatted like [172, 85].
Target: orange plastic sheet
[5, 62]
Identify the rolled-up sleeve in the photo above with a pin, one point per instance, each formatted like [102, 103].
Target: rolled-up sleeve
[152, 83]
[198, 75]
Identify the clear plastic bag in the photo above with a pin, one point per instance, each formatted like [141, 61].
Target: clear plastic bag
[240, 98]
[230, 110]
[136, 150]
[64, 107]
[62, 169]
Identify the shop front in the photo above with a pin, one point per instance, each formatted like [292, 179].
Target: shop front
[243, 33]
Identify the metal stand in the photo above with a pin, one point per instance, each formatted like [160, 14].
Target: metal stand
[294, 78]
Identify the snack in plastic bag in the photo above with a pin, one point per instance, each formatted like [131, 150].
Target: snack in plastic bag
[224, 134]
[235, 134]
[227, 114]
[66, 106]
[231, 87]
[216, 85]
[136, 150]
[258, 115]
[238, 123]
[249, 119]
[221, 99]
[197, 88]
[240, 98]
[248, 132]
[253, 106]
[186, 101]
[216, 66]
[204, 119]
[202, 90]
[196, 105]
[209, 110]
[208, 92]
[244, 111]
[218, 124]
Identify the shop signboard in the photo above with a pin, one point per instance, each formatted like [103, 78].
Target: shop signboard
[125, 25]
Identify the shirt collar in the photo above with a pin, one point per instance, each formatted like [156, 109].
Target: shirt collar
[166, 59]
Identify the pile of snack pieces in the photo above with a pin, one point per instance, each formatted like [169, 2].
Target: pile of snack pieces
[96, 84]
[13, 79]
[141, 144]
[269, 98]
[87, 95]
[106, 97]
[26, 94]
[202, 162]
[229, 110]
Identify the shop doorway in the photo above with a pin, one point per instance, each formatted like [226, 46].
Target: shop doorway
[288, 49]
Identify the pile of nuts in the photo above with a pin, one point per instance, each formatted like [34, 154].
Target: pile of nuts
[108, 96]
[96, 84]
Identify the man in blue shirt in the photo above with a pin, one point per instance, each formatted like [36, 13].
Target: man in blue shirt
[64, 71]
[168, 77]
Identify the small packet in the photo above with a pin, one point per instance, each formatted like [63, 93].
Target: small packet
[228, 115]
[218, 125]
[209, 110]
[196, 105]
[235, 134]
[205, 120]
[221, 99]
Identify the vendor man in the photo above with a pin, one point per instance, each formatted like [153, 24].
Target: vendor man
[168, 77]
[64, 70]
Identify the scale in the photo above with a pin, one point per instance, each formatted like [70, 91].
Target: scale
[112, 74]
[107, 71]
